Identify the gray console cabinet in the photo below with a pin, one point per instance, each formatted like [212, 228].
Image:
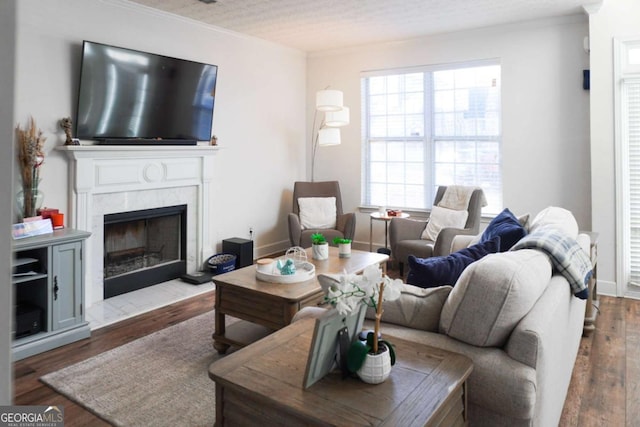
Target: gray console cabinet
[48, 274]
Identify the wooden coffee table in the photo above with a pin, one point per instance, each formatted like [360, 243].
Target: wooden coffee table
[267, 307]
[262, 385]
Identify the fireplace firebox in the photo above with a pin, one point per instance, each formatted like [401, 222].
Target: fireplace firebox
[143, 248]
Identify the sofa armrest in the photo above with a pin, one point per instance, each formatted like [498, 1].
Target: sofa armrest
[461, 241]
[547, 339]
[554, 321]
[443, 242]
[295, 229]
[346, 223]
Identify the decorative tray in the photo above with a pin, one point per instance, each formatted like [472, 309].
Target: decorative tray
[304, 271]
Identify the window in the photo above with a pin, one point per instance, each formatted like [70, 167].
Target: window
[431, 127]
[628, 162]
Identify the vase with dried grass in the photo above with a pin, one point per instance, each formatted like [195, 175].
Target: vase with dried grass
[30, 157]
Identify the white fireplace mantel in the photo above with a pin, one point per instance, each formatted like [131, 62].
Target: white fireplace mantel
[111, 179]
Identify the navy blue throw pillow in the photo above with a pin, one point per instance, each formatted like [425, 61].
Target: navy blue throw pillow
[507, 226]
[445, 270]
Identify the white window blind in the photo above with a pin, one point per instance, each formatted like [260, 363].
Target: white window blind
[433, 127]
[631, 136]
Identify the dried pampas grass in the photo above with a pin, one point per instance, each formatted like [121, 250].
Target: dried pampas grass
[30, 157]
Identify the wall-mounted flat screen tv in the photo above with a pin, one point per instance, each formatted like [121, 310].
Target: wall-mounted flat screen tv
[130, 97]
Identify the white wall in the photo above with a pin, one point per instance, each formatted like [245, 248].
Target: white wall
[545, 111]
[259, 114]
[618, 18]
[7, 71]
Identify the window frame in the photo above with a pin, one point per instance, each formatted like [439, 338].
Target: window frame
[624, 72]
[428, 139]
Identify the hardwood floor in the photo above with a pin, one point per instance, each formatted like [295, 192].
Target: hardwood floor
[604, 390]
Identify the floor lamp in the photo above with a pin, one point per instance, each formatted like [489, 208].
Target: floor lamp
[328, 102]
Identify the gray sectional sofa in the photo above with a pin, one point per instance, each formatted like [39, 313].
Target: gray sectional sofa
[519, 324]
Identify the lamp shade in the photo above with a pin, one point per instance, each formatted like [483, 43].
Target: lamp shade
[337, 118]
[329, 136]
[329, 100]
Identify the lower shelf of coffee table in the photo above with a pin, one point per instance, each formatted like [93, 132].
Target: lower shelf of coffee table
[241, 334]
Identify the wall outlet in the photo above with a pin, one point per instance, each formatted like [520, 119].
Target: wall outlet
[250, 233]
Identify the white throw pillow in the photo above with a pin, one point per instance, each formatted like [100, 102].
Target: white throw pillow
[558, 218]
[443, 218]
[317, 212]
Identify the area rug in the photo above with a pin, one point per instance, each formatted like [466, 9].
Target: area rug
[161, 379]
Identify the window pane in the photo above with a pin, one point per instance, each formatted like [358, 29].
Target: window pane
[444, 101]
[414, 82]
[415, 150]
[414, 125]
[395, 150]
[466, 152]
[414, 173]
[393, 83]
[396, 173]
[445, 173]
[444, 124]
[377, 104]
[378, 126]
[378, 172]
[414, 103]
[445, 151]
[443, 80]
[395, 126]
[394, 103]
[377, 85]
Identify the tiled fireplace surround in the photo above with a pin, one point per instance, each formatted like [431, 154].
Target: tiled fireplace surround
[111, 179]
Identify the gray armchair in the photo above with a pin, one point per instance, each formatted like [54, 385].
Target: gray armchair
[405, 233]
[345, 223]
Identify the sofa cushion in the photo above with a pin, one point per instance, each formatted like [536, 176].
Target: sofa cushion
[417, 308]
[317, 212]
[558, 218]
[493, 295]
[507, 226]
[443, 218]
[445, 270]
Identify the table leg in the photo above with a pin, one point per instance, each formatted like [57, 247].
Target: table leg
[386, 233]
[370, 234]
[220, 325]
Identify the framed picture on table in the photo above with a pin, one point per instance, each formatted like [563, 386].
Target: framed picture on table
[332, 336]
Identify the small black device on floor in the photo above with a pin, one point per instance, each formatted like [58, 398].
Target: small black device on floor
[241, 248]
[197, 278]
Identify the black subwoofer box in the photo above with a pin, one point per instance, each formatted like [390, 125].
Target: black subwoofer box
[28, 320]
[241, 248]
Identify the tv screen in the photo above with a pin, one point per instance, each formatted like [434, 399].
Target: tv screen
[129, 95]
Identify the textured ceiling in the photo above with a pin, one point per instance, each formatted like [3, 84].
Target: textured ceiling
[316, 25]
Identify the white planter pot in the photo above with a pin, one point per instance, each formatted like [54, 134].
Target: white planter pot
[344, 250]
[320, 252]
[376, 368]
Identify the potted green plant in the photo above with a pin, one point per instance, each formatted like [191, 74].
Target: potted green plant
[372, 359]
[319, 247]
[344, 246]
